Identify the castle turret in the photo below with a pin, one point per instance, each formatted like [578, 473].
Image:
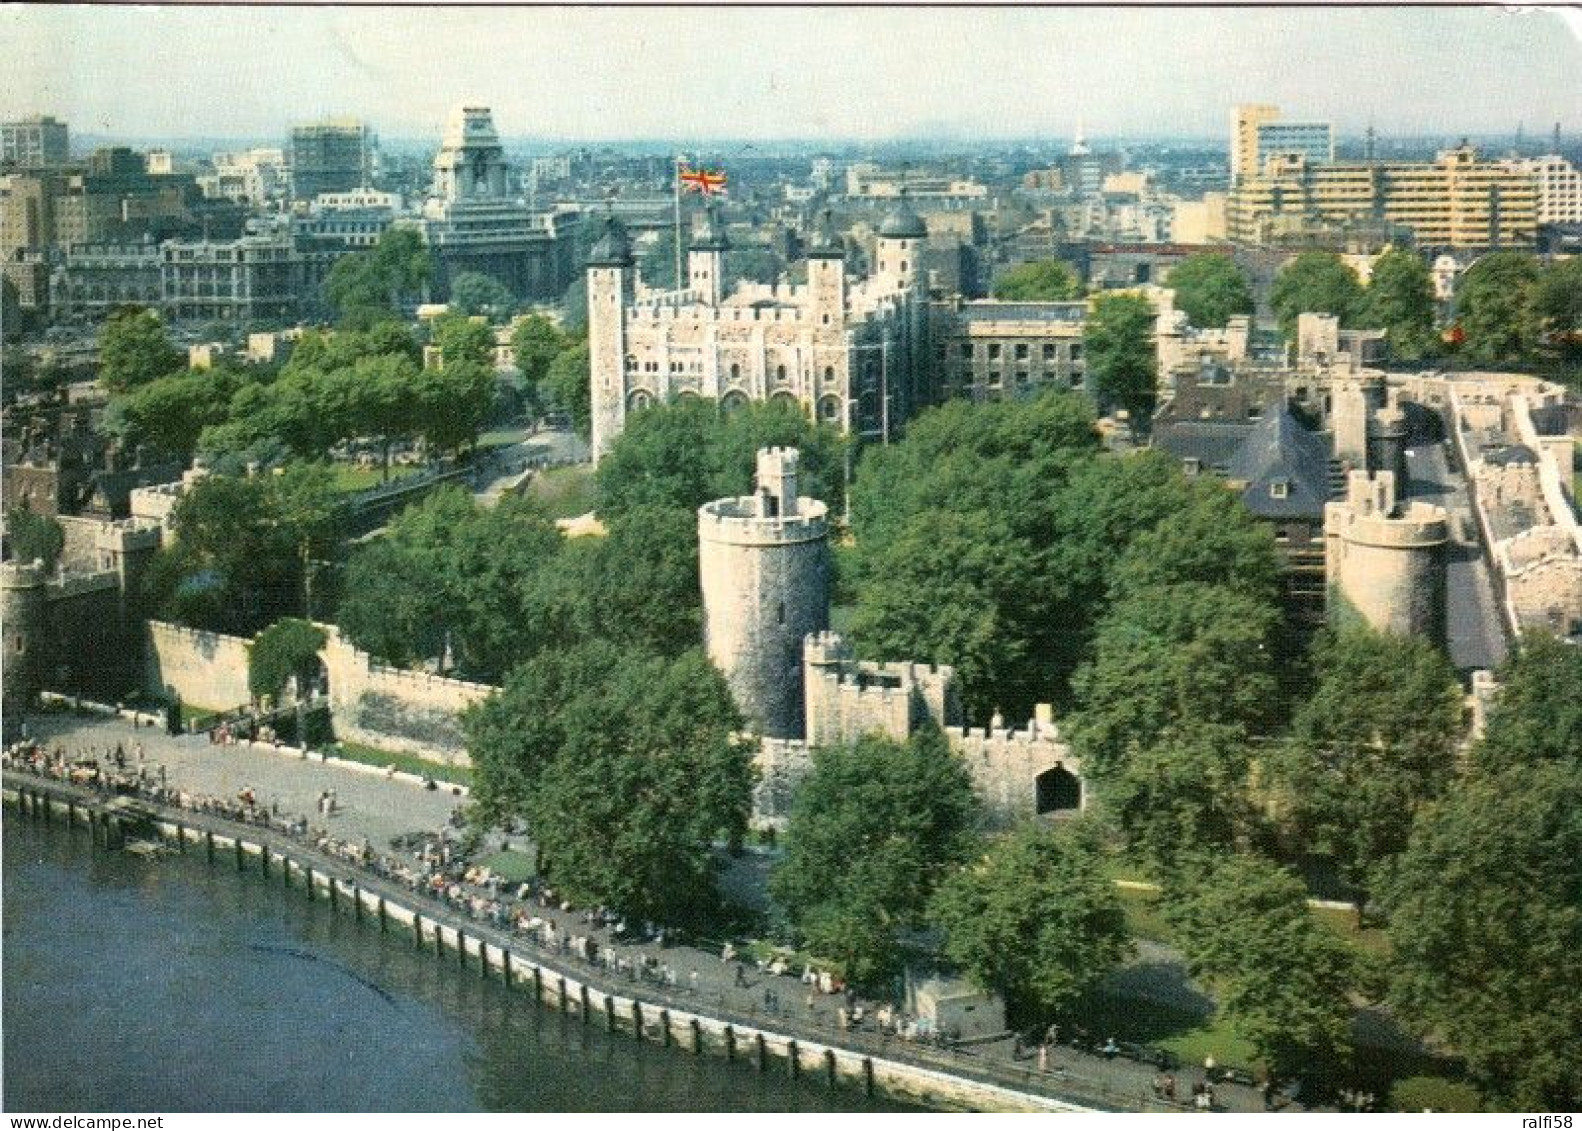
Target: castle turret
[23, 613]
[1385, 560]
[763, 560]
[706, 258]
[609, 290]
[902, 235]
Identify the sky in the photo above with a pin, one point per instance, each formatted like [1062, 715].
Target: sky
[789, 72]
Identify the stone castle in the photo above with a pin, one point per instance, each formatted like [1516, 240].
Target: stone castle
[849, 352]
[764, 570]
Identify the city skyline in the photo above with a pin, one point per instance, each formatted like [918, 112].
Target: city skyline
[835, 74]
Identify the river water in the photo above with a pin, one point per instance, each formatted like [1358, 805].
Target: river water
[134, 984]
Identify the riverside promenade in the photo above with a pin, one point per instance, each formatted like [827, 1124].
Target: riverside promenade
[373, 808]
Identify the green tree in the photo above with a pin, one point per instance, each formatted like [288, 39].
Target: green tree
[1316, 282]
[1485, 911]
[951, 589]
[875, 827]
[453, 403]
[1557, 304]
[1210, 289]
[34, 537]
[461, 339]
[1400, 300]
[234, 565]
[638, 586]
[1376, 741]
[1122, 364]
[310, 506]
[1211, 539]
[367, 287]
[536, 342]
[685, 453]
[1043, 280]
[134, 349]
[568, 386]
[1496, 309]
[1184, 794]
[287, 648]
[472, 292]
[1284, 980]
[1036, 919]
[447, 572]
[1170, 657]
[649, 774]
[1537, 712]
[170, 413]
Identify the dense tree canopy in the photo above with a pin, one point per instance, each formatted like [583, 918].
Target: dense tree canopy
[1400, 301]
[689, 452]
[34, 537]
[1036, 919]
[875, 827]
[241, 547]
[1122, 364]
[536, 342]
[1495, 308]
[461, 339]
[367, 287]
[627, 775]
[134, 349]
[1537, 711]
[1316, 282]
[170, 413]
[1374, 743]
[448, 572]
[1210, 289]
[1043, 280]
[1245, 929]
[1557, 304]
[566, 385]
[1485, 912]
[472, 292]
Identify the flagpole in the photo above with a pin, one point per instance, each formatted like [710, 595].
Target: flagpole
[676, 187]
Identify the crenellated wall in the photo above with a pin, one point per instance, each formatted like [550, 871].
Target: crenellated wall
[206, 669]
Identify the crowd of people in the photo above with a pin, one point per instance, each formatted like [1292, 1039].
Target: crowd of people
[434, 865]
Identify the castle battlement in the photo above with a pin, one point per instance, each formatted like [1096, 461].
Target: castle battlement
[80, 584]
[733, 315]
[741, 522]
[22, 575]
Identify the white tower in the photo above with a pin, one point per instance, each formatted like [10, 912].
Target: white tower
[902, 235]
[706, 259]
[609, 290]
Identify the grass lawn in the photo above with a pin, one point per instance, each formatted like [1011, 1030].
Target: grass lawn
[501, 437]
[513, 867]
[350, 478]
[566, 491]
[406, 763]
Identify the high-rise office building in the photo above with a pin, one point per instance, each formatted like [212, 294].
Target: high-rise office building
[1257, 134]
[334, 156]
[36, 142]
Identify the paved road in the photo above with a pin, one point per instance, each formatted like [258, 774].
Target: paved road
[378, 808]
[370, 805]
[1475, 636]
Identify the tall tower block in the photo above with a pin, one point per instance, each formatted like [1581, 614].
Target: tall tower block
[764, 564]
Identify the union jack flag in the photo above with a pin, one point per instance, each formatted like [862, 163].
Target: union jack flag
[702, 181]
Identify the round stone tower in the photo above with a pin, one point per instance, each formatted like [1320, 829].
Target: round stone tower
[764, 563]
[23, 611]
[1387, 559]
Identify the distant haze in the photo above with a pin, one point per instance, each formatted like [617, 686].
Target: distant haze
[850, 73]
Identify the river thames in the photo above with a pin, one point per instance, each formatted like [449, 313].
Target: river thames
[137, 984]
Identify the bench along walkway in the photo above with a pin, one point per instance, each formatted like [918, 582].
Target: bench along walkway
[705, 1021]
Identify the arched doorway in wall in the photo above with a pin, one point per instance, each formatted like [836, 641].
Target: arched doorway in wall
[1057, 790]
[639, 399]
[733, 401]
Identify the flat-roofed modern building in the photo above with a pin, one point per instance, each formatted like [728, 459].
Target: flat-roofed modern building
[1454, 201]
[333, 156]
[36, 142]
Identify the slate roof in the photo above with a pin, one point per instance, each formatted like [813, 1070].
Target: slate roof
[1280, 450]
